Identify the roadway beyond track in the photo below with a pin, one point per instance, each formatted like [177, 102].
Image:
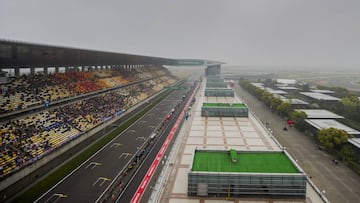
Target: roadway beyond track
[88, 181]
[339, 182]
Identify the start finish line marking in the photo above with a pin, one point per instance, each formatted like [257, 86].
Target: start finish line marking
[124, 155]
[93, 165]
[116, 145]
[56, 197]
[101, 181]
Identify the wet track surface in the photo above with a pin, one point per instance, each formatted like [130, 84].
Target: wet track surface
[91, 179]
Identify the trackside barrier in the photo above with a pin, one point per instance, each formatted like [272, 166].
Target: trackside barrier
[149, 174]
[322, 196]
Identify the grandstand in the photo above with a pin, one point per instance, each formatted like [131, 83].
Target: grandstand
[45, 115]
[42, 112]
[28, 91]
[27, 139]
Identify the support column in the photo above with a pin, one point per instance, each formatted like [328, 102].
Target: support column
[32, 71]
[17, 71]
[45, 70]
[56, 69]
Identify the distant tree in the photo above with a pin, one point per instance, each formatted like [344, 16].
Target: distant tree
[348, 153]
[350, 107]
[299, 119]
[339, 91]
[266, 97]
[284, 108]
[332, 138]
[275, 102]
[258, 92]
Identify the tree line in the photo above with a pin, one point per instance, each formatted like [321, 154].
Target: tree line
[334, 140]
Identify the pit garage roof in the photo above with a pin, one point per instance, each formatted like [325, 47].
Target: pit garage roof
[15, 54]
[323, 91]
[320, 96]
[258, 84]
[287, 88]
[355, 142]
[286, 81]
[295, 101]
[272, 91]
[320, 124]
[319, 113]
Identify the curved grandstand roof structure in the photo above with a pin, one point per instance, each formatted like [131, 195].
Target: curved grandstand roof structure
[22, 54]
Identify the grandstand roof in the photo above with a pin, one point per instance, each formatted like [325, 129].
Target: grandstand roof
[22, 54]
[330, 123]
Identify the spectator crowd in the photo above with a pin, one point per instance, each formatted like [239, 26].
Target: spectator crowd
[27, 138]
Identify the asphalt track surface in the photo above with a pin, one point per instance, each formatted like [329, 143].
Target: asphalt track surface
[88, 182]
[137, 178]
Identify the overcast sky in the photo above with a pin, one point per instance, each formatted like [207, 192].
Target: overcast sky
[254, 32]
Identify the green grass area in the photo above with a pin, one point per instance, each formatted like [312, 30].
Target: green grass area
[224, 105]
[42, 186]
[252, 162]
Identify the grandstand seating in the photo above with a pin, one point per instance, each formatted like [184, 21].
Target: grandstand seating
[28, 138]
[28, 91]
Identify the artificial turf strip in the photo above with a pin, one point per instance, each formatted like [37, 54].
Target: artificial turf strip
[223, 105]
[248, 162]
[42, 186]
